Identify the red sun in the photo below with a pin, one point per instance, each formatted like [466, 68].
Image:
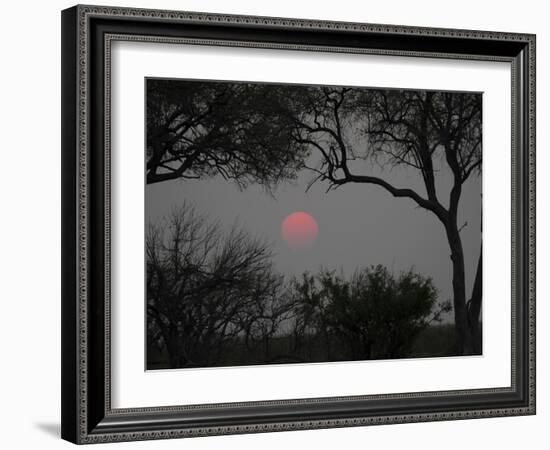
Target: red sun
[299, 229]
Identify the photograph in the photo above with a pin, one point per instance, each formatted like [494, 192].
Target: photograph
[303, 223]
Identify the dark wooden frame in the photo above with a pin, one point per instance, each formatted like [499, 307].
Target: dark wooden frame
[87, 32]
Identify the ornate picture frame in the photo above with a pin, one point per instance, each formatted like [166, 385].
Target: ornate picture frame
[88, 415]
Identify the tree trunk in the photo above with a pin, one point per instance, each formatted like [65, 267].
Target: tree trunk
[464, 340]
[474, 307]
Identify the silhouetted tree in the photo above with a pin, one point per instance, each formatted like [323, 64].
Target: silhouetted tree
[373, 315]
[205, 288]
[419, 130]
[235, 130]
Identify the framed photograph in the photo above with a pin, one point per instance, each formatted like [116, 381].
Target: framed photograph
[279, 224]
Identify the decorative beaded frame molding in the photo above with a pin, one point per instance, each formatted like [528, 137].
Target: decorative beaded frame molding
[87, 35]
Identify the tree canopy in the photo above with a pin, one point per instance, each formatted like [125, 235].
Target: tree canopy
[205, 287]
[372, 315]
[202, 129]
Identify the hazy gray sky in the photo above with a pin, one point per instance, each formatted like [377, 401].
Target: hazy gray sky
[359, 224]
